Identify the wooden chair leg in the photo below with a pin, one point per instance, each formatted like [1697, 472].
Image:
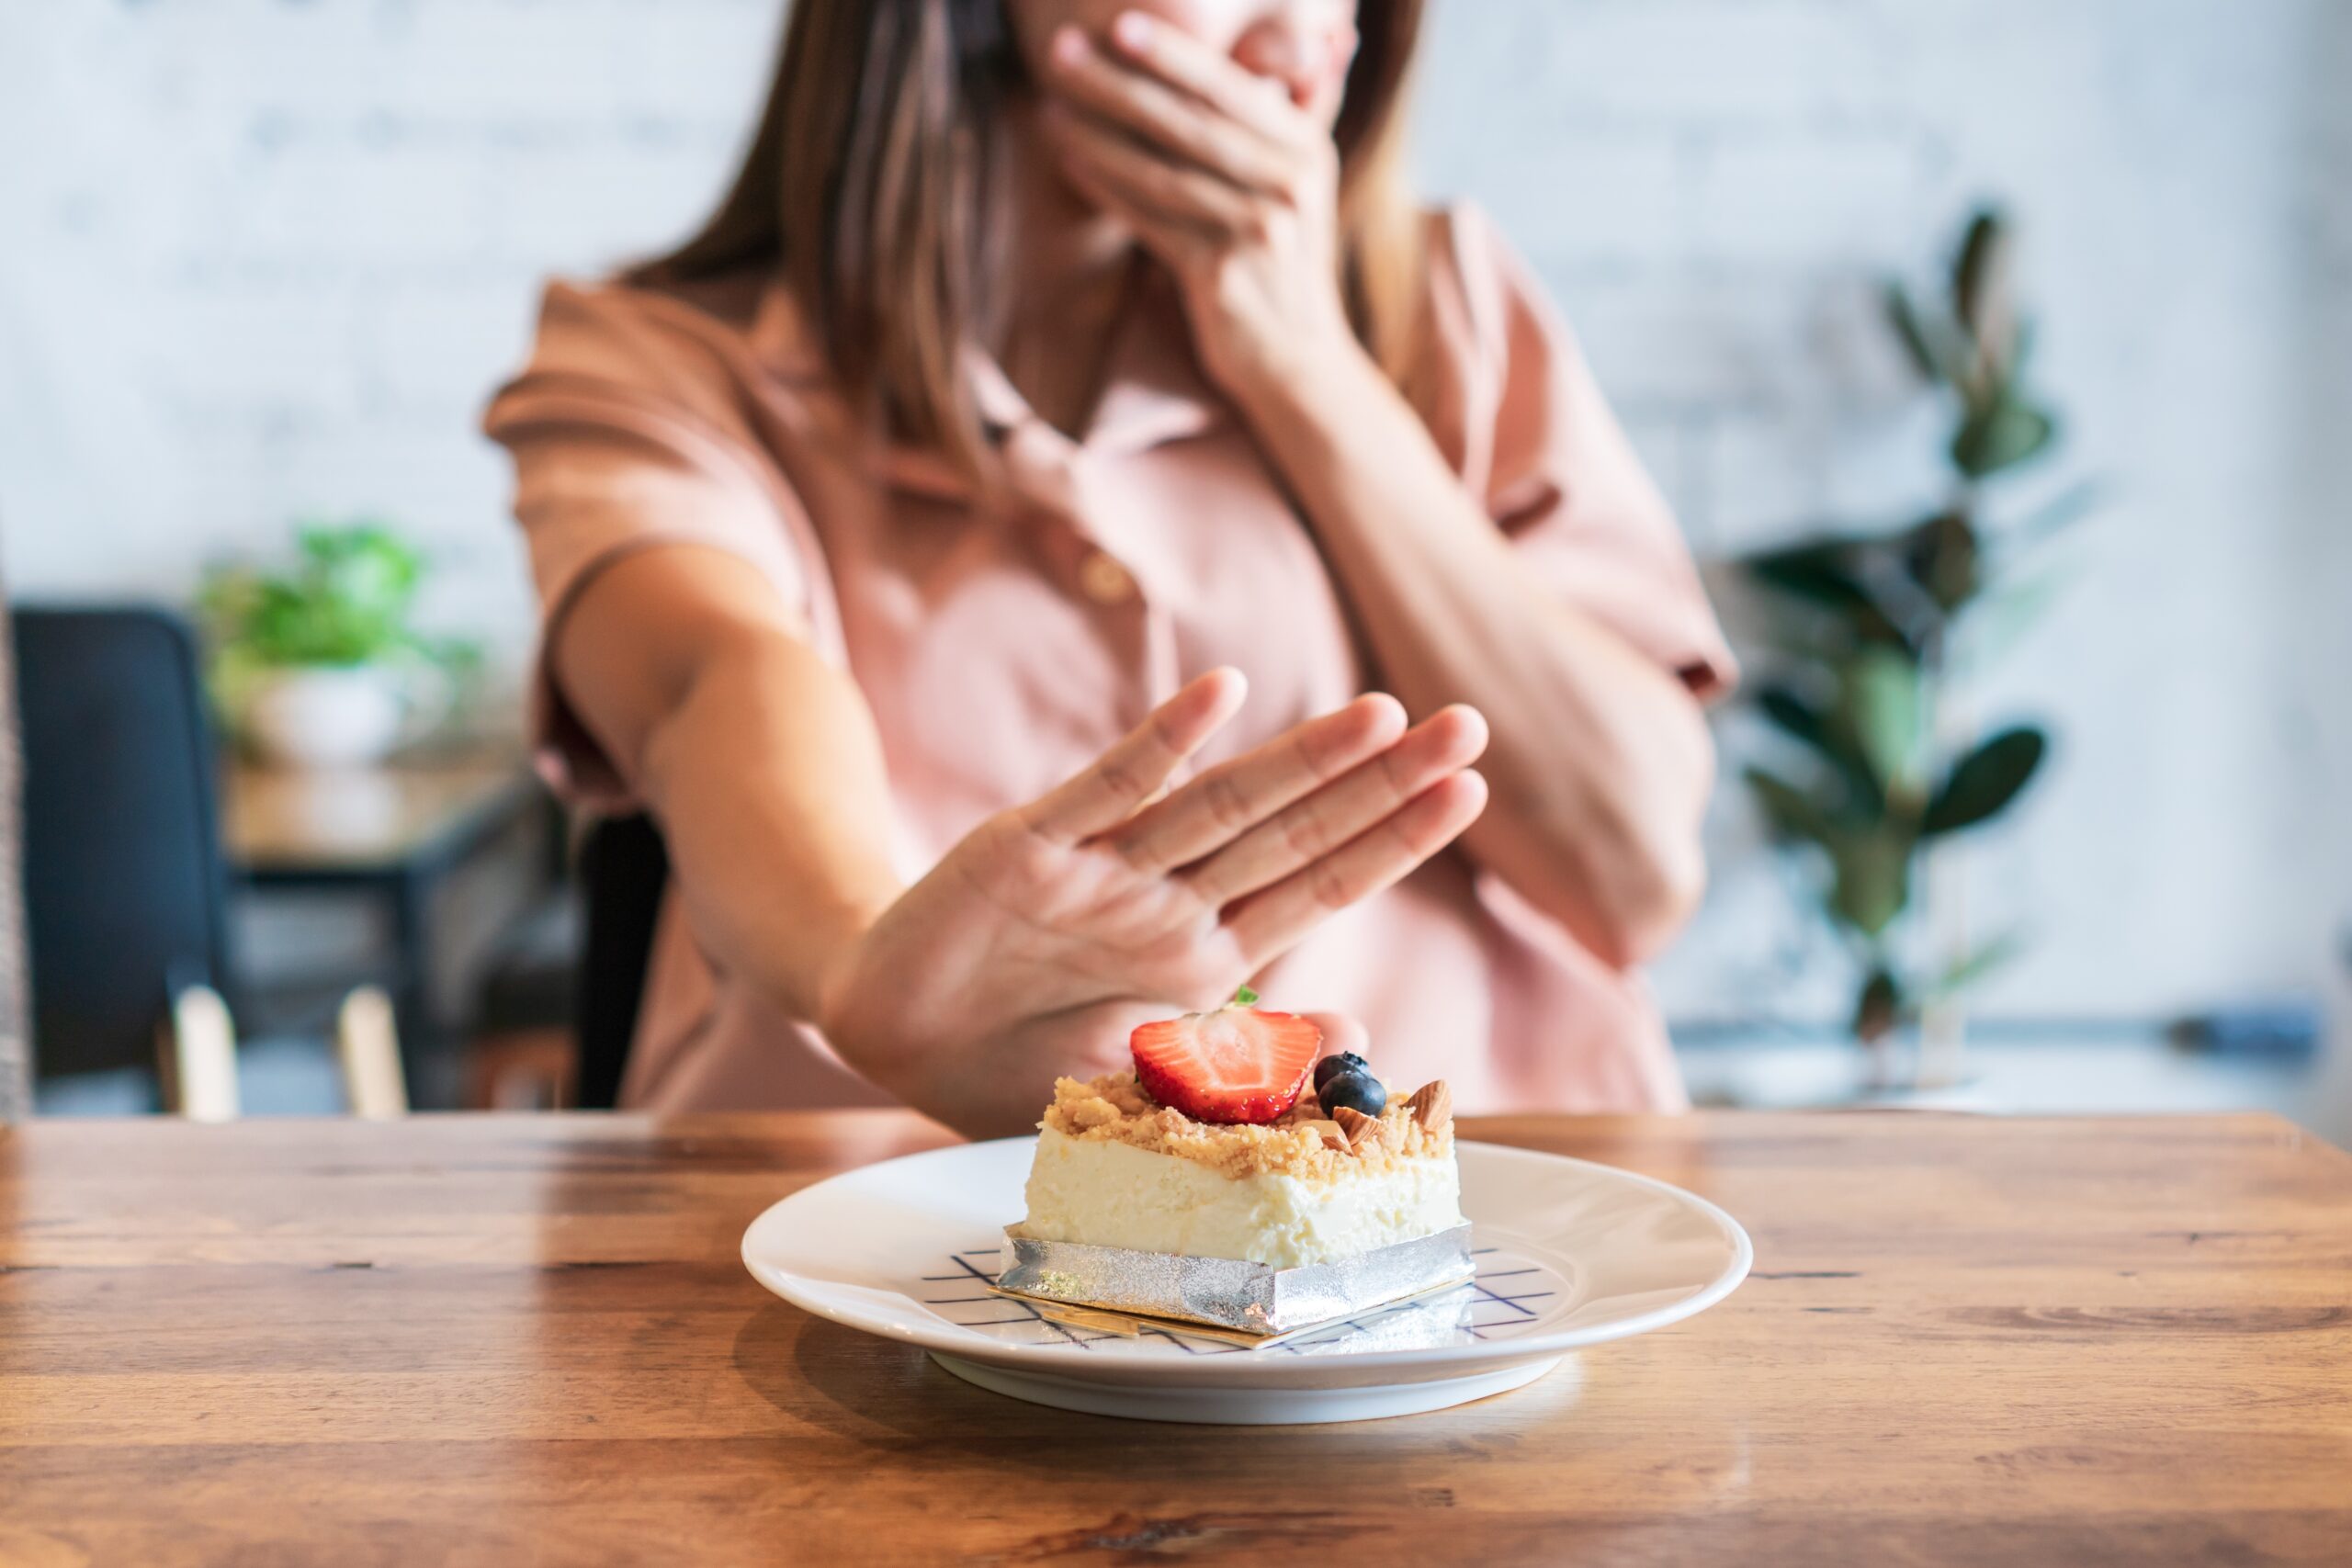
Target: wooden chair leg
[529, 1069]
[197, 1051]
[370, 1048]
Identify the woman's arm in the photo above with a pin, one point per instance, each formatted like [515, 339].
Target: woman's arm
[759, 760]
[1040, 941]
[1602, 763]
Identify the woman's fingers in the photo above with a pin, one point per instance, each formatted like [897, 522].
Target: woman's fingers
[1185, 63]
[1267, 924]
[1117, 784]
[1180, 245]
[1446, 742]
[1228, 800]
[1128, 98]
[1106, 162]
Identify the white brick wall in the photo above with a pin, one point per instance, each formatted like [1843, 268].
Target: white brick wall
[262, 258]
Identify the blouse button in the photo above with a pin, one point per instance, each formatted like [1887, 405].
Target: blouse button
[1105, 581]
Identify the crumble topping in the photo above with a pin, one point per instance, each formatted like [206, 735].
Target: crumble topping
[1305, 1144]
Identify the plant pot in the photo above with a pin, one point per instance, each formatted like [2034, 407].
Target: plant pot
[327, 716]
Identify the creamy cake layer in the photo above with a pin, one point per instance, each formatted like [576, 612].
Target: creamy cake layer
[1108, 1192]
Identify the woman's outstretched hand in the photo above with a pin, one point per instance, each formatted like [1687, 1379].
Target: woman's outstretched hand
[1233, 186]
[1039, 942]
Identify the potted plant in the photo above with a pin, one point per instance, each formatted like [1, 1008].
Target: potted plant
[1879, 771]
[319, 665]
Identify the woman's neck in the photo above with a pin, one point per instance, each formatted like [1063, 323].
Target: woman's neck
[1067, 266]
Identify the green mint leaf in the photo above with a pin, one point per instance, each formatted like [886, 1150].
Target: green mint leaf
[1245, 997]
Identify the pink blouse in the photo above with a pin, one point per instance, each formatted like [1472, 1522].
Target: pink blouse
[1002, 642]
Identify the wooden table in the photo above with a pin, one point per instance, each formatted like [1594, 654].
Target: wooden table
[303, 823]
[511, 1340]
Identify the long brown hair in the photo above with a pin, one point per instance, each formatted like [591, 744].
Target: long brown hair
[870, 185]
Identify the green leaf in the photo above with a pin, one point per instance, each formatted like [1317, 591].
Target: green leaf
[1881, 703]
[1942, 557]
[1979, 275]
[1903, 316]
[1874, 880]
[1831, 573]
[1245, 997]
[2006, 432]
[1981, 783]
[1814, 569]
[1797, 717]
[1793, 715]
[345, 601]
[1792, 814]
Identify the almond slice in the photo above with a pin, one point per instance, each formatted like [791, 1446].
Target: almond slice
[1360, 1129]
[1433, 1105]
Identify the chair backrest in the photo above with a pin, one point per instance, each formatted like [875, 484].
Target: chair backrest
[124, 884]
[623, 870]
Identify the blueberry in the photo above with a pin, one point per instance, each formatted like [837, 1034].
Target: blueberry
[1345, 1062]
[1357, 1092]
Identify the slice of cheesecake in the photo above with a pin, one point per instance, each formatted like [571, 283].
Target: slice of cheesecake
[1115, 1168]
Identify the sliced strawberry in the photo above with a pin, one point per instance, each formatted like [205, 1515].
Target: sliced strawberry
[1237, 1063]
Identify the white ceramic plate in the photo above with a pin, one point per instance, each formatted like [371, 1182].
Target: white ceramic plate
[1569, 1253]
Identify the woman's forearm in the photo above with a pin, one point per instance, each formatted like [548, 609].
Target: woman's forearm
[757, 758]
[778, 852]
[1601, 760]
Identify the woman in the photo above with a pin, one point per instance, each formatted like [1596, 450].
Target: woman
[905, 537]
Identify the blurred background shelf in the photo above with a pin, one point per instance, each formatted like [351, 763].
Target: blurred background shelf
[2023, 1068]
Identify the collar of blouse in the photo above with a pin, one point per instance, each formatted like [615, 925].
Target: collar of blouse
[1153, 393]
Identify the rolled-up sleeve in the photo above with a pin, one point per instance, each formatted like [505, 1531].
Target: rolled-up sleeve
[631, 428]
[1565, 484]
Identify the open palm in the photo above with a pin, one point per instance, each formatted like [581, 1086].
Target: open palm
[1039, 941]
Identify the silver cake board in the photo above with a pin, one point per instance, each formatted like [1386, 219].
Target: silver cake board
[1248, 1302]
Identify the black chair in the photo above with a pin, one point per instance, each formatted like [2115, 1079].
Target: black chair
[125, 890]
[559, 1003]
[624, 869]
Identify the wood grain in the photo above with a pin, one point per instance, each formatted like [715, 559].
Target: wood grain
[528, 1339]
